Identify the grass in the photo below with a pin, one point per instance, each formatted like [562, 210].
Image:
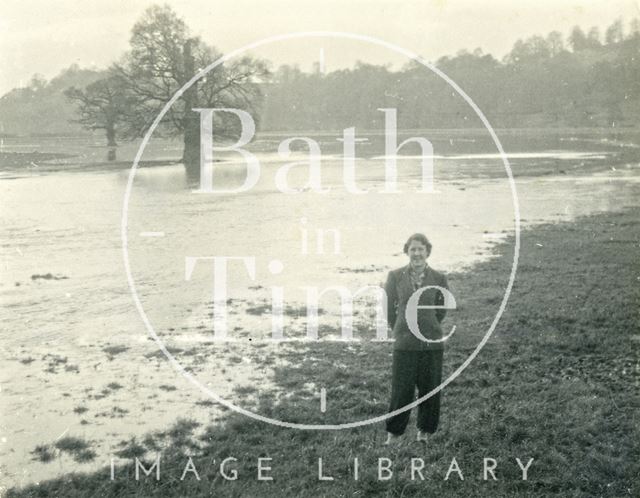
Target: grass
[291, 311]
[10, 160]
[44, 453]
[54, 361]
[115, 412]
[76, 447]
[557, 382]
[114, 350]
[205, 402]
[106, 391]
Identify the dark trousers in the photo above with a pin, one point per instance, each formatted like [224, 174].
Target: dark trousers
[410, 369]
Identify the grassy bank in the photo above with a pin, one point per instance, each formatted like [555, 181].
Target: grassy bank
[52, 162]
[557, 382]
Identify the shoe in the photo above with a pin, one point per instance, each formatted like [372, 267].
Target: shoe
[422, 436]
[392, 438]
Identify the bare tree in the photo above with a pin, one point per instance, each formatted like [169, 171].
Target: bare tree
[102, 105]
[163, 57]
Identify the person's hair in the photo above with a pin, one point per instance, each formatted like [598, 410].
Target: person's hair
[419, 237]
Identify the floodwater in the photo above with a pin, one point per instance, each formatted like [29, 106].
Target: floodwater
[78, 359]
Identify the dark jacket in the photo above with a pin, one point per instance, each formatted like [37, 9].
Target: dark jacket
[399, 289]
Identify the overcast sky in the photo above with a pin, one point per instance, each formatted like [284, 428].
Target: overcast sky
[45, 36]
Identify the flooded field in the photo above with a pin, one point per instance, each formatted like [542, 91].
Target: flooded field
[78, 359]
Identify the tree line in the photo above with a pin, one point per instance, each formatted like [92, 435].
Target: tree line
[583, 79]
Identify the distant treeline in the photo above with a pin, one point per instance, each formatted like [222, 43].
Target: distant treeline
[544, 81]
[584, 80]
[41, 108]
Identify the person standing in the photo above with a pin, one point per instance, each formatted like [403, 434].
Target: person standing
[417, 354]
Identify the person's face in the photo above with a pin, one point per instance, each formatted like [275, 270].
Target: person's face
[418, 254]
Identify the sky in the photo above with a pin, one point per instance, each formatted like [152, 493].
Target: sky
[47, 36]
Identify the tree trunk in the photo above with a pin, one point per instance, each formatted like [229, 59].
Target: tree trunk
[111, 135]
[191, 120]
[191, 152]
